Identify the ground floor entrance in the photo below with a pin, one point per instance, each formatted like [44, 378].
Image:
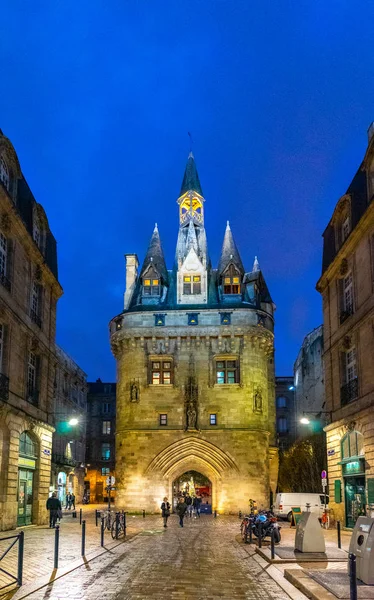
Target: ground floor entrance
[194, 484]
[25, 496]
[354, 488]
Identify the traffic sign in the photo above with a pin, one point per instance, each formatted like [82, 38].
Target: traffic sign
[110, 480]
[324, 483]
[324, 475]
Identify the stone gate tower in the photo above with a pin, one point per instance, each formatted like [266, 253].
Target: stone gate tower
[194, 350]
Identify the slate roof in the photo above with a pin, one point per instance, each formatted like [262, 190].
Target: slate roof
[191, 178]
[155, 256]
[229, 252]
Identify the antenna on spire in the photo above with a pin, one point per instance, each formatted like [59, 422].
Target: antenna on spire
[190, 136]
[256, 265]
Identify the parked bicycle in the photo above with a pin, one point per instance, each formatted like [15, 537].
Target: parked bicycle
[118, 528]
[109, 518]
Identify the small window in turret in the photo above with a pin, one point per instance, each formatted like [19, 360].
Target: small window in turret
[151, 287]
[191, 284]
[231, 281]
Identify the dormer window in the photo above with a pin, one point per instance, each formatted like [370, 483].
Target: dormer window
[231, 281]
[151, 283]
[4, 173]
[191, 284]
[346, 228]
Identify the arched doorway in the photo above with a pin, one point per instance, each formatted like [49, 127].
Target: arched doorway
[27, 464]
[61, 487]
[194, 484]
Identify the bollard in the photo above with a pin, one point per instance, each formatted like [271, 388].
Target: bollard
[215, 514]
[117, 525]
[250, 533]
[83, 538]
[74, 514]
[272, 544]
[57, 539]
[240, 514]
[80, 516]
[143, 514]
[102, 533]
[259, 535]
[21, 542]
[352, 577]
[96, 517]
[339, 534]
[124, 521]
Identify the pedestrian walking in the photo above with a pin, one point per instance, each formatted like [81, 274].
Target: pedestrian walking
[72, 500]
[189, 504]
[181, 510]
[165, 508]
[68, 501]
[196, 505]
[53, 505]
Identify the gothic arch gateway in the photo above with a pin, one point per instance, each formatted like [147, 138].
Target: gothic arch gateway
[194, 348]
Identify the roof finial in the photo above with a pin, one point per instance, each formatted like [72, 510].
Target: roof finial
[256, 265]
[156, 228]
[228, 225]
[190, 136]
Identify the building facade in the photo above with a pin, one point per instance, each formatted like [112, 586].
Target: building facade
[347, 288]
[195, 390]
[69, 420]
[285, 412]
[309, 385]
[29, 290]
[101, 429]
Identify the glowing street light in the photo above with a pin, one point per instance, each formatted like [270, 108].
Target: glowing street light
[73, 421]
[304, 421]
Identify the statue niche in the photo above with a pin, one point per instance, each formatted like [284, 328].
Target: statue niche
[257, 400]
[134, 391]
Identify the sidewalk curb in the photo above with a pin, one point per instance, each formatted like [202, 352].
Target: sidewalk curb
[313, 590]
[36, 585]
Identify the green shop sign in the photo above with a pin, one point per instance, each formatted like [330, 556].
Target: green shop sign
[354, 467]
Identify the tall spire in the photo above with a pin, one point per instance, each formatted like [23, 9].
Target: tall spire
[191, 182]
[191, 237]
[256, 265]
[155, 256]
[229, 252]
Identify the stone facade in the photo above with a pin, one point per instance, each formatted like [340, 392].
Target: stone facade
[101, 429]
[69, 440]
[310, 384]
[195, 389]
[347, 288]
[286, 411]
[29, 291]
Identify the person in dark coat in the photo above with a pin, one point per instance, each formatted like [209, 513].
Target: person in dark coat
[196, 505]
[53, 505]
[188, 501]
[72, 500]
[165, 508]
[181, 510]
[68, 501]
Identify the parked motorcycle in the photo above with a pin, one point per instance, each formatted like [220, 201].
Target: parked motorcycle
[264, 524]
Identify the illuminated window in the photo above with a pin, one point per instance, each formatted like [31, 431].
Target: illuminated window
[151, 287]
[227, 371]
[231, 281]
[105, 451]
[163, 419]
[161, 372]
[352, 444]
[281, 402]
[106, 427]
[106, 408]
[4, 173]
[105, 470]
[191, 284]
[213, 419]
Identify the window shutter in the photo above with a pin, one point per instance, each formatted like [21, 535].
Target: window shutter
[370, 486]
[338, 491]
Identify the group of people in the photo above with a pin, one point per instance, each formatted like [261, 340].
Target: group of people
[185, 506]
[70, 501]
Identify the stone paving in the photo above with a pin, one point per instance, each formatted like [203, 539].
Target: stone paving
[202, 561]
[39, 545]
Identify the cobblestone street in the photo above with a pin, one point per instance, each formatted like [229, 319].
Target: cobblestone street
[201, 561]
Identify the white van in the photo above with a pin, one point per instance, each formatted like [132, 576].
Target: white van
[285, 501]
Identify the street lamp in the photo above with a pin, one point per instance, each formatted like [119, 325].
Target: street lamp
[73, 421]
[304, 421]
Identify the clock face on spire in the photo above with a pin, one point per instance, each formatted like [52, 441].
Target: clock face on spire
[191, 208]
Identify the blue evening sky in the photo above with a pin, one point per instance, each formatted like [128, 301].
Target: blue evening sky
[97, 98]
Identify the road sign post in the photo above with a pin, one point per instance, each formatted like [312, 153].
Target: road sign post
[324, 484]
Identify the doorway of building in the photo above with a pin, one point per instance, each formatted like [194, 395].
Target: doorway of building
[27, 463]
[194, 483]
[61, 487]
[354, 488]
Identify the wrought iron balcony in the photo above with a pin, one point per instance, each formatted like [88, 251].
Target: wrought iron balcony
[346, 313]
[32, 396]
[62, 459]
[35, 318]
[5, 282]
[349, 392]
[4, 387]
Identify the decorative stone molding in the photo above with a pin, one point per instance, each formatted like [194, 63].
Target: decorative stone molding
[5, 223]
[38, 273]
[258, 400]
[343, 269]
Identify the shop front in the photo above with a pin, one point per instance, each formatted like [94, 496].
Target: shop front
[353, 473]
[27, 465]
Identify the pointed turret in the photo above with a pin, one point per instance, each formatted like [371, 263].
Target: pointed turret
[191, 238]
[191, 182]
[256, 265]
[230, 253]
[155, 257]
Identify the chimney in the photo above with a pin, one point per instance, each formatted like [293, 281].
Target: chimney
[132, 265]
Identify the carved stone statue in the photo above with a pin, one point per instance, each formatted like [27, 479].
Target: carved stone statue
[134, 392]
[191, 416]
[257, 400]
